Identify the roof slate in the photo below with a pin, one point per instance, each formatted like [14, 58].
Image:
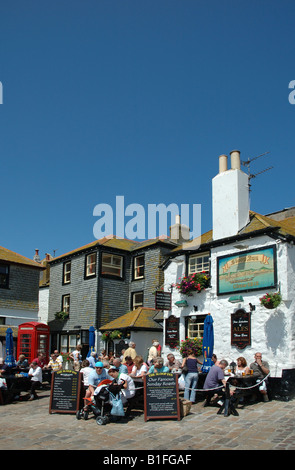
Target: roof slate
[141, 317]
[12, 257]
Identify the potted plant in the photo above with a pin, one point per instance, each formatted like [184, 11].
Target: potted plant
[67, 360]
[193, 283]
[62, 316]
[271, 300]
[190, 344]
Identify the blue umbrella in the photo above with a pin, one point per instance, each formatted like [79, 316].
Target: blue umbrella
[91, 340]
[9, 360]
[208, 343]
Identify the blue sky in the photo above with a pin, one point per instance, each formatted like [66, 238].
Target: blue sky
[138, 98]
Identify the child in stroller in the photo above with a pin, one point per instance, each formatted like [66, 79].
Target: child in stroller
[99, 404]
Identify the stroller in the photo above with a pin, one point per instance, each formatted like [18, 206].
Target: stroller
[99, 405]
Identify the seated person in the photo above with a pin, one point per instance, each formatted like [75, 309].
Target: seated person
[5, 369]
[122, 367]
[127, 383]
[214, 380]
[139, 370]
[54, 364]
[260, 371]
[129, 363]
[158, 366]
[242, 366]
[95, 377]
[126, 387]
[172, 363]
[22, 362]
[41, 360]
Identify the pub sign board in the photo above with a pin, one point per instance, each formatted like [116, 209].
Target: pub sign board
[161, 396]
[162, 300]
[247, 271]
[241, 329]
[172, 331]
[65, 391]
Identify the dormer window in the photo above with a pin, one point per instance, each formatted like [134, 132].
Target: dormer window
[112, 265]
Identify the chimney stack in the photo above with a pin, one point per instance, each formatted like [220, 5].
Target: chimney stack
[179, 233]
[36, 256]
[235, 160]
[222, 163]
[230, 198]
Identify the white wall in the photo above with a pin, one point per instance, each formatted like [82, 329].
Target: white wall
[272, 331]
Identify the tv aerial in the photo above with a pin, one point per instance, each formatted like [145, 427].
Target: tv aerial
[248, 162]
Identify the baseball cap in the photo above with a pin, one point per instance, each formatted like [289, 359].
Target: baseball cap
[98, 364]
[113, 368]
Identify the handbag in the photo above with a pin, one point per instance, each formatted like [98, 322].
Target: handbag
[184, 369]
[117, 405]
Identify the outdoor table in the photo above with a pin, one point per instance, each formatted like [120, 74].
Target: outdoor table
[15, 385]
[241, 381]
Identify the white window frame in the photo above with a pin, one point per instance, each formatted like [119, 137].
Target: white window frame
[195, 328]
[66, 303]
[200, 264]
[67, 272]
[109, 268]
[90, 265]
[138, 266]
[137, 303]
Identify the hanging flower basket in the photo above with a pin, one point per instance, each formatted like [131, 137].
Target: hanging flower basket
[116, 334]
[271, 300]
[106, 336]
[194, 283]
[190, 344]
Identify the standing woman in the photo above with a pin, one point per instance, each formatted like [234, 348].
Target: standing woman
[76, 356]
[191, 378]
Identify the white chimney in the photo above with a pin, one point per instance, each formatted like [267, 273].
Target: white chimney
[230, 198]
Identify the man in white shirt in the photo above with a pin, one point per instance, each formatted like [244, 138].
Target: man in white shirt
[35, 373]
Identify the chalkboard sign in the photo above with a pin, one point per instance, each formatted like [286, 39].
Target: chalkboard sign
[163, 300]
[65, 391]
[161, 399]
[241, 329]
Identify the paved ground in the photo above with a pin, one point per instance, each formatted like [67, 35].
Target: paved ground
[262, 426]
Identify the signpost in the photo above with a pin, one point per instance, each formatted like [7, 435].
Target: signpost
[65, 392]
[161, 398]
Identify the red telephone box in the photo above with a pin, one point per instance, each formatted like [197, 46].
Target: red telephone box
[32, 339]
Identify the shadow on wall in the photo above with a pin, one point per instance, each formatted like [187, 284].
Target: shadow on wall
[275, 331]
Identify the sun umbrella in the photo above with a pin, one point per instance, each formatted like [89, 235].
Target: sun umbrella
[208, 343]
[9, 359]
[91, 340]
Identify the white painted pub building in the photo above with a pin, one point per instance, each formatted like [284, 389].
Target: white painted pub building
[247, 255]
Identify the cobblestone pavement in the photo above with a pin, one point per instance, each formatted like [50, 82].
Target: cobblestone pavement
[260, 426]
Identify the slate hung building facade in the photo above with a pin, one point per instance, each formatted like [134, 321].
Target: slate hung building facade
[99, 282]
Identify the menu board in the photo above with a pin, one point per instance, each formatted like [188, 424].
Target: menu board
[65, 392]
[161, 398]
[163, 300]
